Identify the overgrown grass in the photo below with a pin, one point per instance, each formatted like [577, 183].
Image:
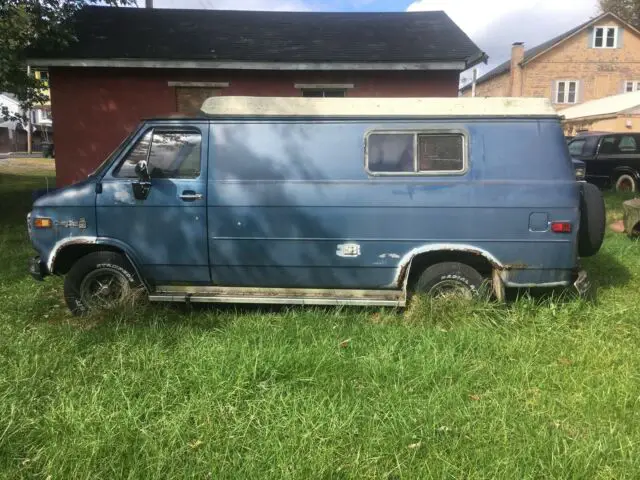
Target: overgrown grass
[544, 388]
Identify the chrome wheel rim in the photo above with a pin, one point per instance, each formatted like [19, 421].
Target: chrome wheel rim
[451, 289]
[103, 288]
[625, 185]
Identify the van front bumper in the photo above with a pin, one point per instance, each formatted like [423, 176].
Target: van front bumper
[37, 268]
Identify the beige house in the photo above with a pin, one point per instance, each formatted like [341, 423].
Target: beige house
[597, 59]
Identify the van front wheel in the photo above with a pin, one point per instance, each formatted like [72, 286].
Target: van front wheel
[450, 279]
[99, 281]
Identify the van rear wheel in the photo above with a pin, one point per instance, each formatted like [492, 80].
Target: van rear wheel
[450, 279]
[592, 221]
[99, 281]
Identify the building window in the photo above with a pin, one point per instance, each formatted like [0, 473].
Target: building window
[323, 92]
[631, 86]
[4, 111]
[566, 91]
[605, 37]
[415, 152]
[44, 115]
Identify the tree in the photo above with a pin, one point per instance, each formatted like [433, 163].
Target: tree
[25, 24]
[627, 10]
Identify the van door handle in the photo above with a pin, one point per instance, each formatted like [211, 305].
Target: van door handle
[190, 196]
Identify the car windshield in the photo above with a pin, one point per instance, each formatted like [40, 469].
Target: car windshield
[576, 146]
[107, 161]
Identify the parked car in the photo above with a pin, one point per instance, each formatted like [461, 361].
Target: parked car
[611, 159]
[322, 201]
[580, 169]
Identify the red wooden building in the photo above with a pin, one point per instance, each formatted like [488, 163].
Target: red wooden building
[131, 63]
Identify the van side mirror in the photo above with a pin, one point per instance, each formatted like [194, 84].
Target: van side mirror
[142, 171]
[143, 185]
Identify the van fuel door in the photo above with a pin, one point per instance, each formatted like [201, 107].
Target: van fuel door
[538, 222]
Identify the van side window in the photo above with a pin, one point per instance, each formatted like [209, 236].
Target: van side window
[414, 152]
[390, 152]
[138, 153]
[175, 154]
[170, 153]
[440, 153]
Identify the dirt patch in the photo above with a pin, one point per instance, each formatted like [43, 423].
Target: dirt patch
[28, 166]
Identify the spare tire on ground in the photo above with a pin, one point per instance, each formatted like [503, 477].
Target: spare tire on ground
[592, 220]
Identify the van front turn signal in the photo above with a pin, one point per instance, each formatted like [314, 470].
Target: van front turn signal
[42, 222]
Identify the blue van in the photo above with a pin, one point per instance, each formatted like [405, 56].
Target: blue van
[324, 201]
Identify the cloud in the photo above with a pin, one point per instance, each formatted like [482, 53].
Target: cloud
[495, 24]
[272, 5]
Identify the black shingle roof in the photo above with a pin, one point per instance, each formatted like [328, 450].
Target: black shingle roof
[528, 55]
[250, 36]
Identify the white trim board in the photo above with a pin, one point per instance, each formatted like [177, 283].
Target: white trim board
[419, 107]
[235, 65]
[199, 84]
[324, 86]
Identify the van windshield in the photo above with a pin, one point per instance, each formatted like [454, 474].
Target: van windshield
[107, 161]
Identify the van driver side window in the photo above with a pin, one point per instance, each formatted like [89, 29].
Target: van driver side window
[170, 153]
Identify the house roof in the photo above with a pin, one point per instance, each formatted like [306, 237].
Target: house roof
[603, 106]
[534, 52]
[379, 107]
[136, 34]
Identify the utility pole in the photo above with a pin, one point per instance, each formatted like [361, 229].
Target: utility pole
[29, 140]
[473, 82]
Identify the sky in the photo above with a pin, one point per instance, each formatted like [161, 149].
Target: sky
[492, 24]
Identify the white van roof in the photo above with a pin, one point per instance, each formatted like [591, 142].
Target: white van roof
[389, 107]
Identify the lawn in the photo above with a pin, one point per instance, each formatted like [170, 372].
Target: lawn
[545, 388]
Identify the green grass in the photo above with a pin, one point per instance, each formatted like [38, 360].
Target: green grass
[539, 388]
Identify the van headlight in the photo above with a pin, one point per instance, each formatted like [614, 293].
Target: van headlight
[580, 173]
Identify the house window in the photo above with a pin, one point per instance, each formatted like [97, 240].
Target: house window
[415, 152]
[631, 86]
[566, 91]
[605, 37]
[323, 92]
[5, 111]
[44, 115]
[44, 76]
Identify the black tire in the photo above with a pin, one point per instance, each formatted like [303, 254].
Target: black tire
[458, 278]
[92, 267]
[625, 182]
[592, 221]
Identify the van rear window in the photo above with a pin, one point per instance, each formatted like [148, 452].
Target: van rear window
[415, 152]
